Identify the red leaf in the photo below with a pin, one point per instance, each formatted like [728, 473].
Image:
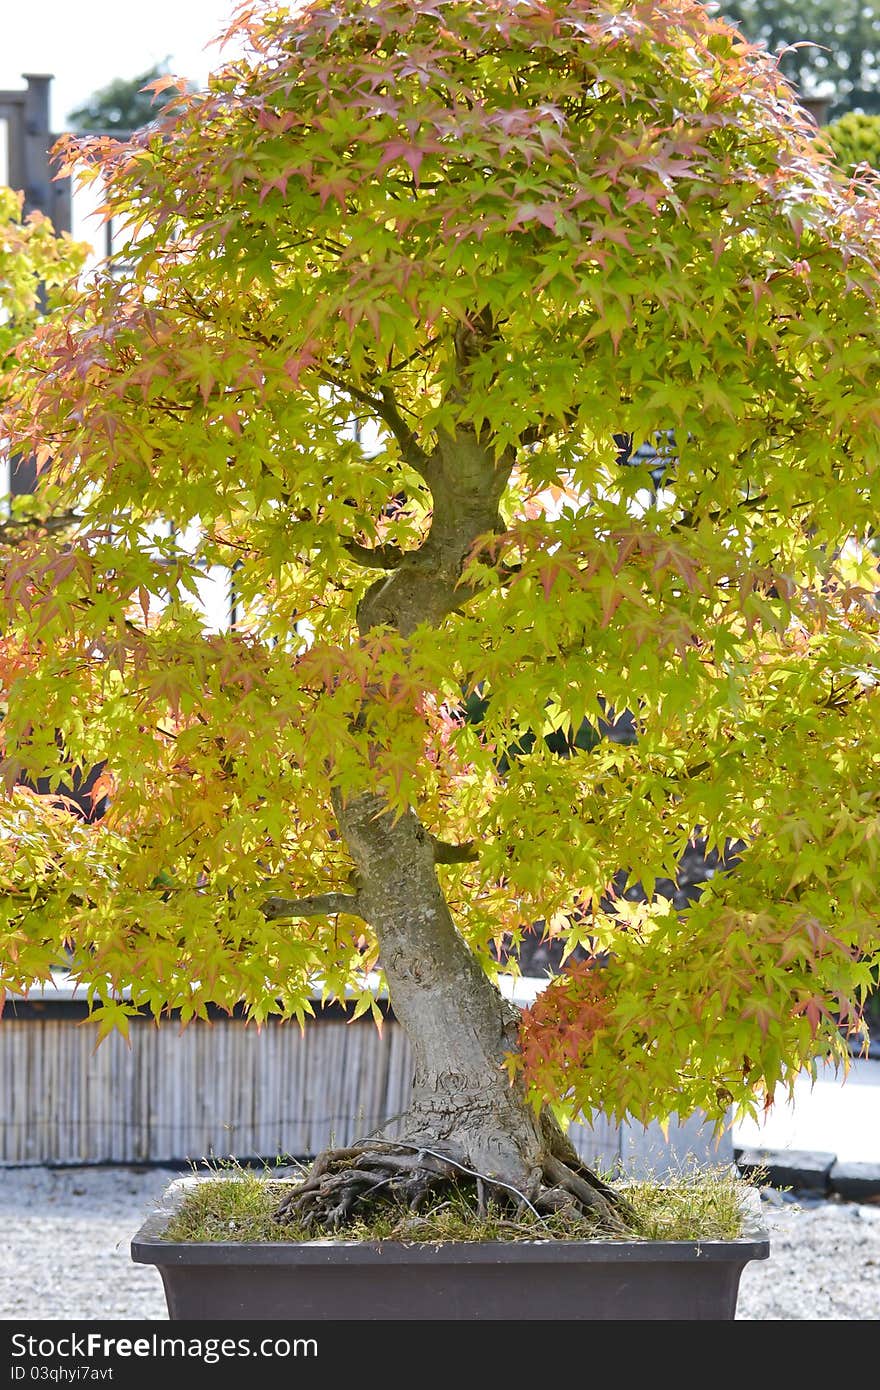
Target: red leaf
[401, 149]
[548, 579]
[298, 362]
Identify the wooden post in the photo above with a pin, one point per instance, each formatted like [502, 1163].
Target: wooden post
[36, 142]
[817, 108]
[30, 140]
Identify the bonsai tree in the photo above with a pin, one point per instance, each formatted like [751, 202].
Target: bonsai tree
[406, 291]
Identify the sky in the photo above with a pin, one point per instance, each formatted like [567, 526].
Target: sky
[85, 44]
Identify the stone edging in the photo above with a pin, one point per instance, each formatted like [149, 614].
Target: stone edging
[807, 1170]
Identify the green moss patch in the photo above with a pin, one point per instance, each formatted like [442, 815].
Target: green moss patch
[703, 1205]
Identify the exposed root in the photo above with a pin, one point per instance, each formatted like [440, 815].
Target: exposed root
[581, 1190]
[344, 1184]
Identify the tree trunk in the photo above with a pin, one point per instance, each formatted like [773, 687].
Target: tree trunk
[466, 1121]
[459, 1026]
[465, 1112]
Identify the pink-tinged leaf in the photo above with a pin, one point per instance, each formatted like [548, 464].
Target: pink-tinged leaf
[611, 598]
[299, 362]
[545, 213]
[813, 1011]
[762, 1013]
[651, 198]
[280, 183]
[626, 548]
[412, 155]
[612, 233]
[278, 122]
[336, 187]
[548, 579]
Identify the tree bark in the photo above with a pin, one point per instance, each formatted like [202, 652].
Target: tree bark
[459, 1026]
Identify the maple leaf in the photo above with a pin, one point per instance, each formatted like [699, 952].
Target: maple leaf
[411, 154]
[300, 361]
[163, 83]
[545, 213]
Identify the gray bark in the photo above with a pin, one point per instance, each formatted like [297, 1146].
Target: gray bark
[458, 1024]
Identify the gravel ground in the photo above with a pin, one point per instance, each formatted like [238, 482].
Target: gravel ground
[824, 1262]
[66, 1234]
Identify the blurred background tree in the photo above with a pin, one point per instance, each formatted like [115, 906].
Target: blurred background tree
[844, 64]
[122, 104]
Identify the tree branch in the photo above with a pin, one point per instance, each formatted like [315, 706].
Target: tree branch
[445, 853]
[321, 905]
[533, 434]
[747, 504]
[536, 434]
[379, 557]
[385, 407]
[420, 351]
[12, 528]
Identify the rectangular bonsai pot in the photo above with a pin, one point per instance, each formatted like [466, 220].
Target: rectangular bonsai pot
[594, 1281]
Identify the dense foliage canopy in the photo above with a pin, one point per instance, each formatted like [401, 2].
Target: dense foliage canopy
[511, 231]
[35, 267]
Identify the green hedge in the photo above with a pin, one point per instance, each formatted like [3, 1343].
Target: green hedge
[855, 139]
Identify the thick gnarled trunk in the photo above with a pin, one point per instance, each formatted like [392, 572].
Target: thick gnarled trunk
[466, 1118]
[459, 1026]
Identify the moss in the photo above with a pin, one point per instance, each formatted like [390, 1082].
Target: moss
[700, 1205]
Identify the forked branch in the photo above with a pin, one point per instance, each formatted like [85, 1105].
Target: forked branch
[384, 406]
[14, 528]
